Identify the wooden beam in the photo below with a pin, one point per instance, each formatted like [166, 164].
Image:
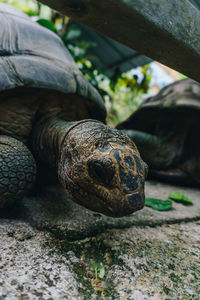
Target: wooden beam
[166, 31]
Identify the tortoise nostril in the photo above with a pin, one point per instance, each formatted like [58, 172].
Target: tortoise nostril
[101, 170]
[136, 200]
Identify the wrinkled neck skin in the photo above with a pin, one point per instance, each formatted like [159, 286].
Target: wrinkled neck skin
[48, 138]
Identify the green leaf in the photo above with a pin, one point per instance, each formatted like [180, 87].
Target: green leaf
[99, 269]
[48, 24]
[101, 273]
[158, 204]
[96, 266]
[178, 197]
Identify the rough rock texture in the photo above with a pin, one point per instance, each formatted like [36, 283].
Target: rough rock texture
[55, 212]
[154, 255]
[31, 266]
[144, 263]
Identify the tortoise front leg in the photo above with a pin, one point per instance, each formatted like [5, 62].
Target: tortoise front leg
[151, 147]
[160, 153]
[17, 170]
[174, 176]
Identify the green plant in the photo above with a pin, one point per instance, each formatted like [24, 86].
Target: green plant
[158, 204]
[99, 270]
[179, 197]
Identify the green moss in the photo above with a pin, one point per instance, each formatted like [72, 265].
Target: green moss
[14, 282]
[174, 277]
[86, 289]
[87, 253]
[171, 267]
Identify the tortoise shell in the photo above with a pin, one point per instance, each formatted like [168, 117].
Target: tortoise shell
[172, 116]
[37, 72]
[175, 102]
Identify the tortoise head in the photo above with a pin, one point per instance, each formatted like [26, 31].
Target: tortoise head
[101, 169]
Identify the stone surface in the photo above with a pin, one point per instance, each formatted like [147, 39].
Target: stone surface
[56, 213]
[145, 263]
[32, 267]
[149, 256]
[166, 31]
[139, 263]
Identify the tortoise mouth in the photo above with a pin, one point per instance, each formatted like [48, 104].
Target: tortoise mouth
[113, 202]
[119, 206]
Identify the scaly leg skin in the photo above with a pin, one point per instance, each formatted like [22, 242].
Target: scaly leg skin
[17, 170]
[174, 176]
[160, 153]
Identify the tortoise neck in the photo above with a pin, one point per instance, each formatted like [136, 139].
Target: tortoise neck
[49, 136]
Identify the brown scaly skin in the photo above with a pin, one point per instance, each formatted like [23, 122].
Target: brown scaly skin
[17, 170]
[99, 167]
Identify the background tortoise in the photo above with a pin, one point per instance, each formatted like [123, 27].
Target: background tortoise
[45, 106]
[166, 130]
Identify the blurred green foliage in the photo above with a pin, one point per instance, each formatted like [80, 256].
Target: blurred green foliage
[122, 93]
[28, 6]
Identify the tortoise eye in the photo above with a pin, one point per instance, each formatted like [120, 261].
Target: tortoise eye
[102, 171]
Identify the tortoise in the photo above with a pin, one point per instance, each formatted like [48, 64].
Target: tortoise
[51, 116]
[166, 131]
